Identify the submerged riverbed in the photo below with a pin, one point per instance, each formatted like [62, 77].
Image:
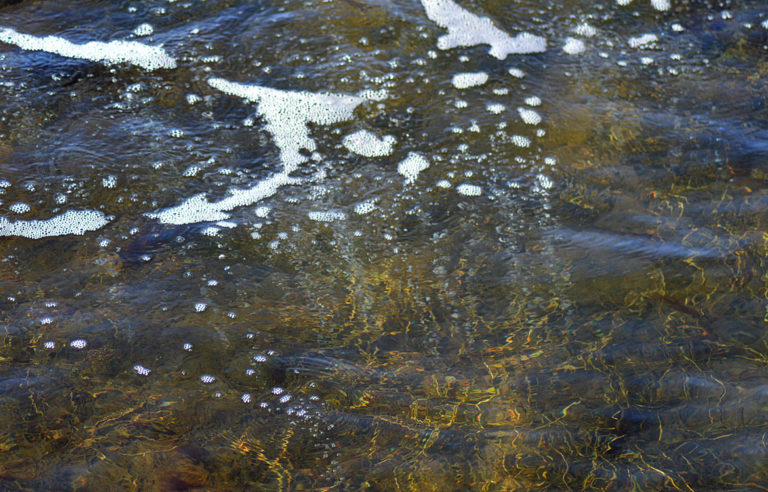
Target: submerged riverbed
[384, 245]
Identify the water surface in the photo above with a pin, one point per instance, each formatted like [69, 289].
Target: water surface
[386, 245]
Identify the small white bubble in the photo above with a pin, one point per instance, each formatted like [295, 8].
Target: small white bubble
[141, 370]
[495, 108]
[246, 398]
[144, 30]
[521, 141]
[78, 344]
[250, 372]
[46, 321]
[533, 101]
[285, 398]
[187, 346]
[176, 133]
[469, 190]
[207, 379]
[200, 307]
[49, 345]
[20, 208]
[109, 182]
[277, 390]
[260, 358]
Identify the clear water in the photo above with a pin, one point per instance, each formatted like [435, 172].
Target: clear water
[502, 266]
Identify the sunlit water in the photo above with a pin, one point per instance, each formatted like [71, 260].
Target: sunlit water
[383, 244]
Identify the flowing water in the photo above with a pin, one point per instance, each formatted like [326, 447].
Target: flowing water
[383, 245]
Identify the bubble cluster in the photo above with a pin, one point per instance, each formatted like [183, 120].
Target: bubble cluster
[368, 144]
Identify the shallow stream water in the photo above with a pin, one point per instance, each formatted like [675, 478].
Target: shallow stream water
[383, 245]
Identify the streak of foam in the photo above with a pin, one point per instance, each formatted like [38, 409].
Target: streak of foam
[643, 40]
[76, 222]
[661, 5]
[199, 209]
[288, 113]
[135, 53]
[467, 29]
[328, 216]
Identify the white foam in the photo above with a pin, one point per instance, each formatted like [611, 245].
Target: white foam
[643, 40]
[495, 108]
[133, 52]
[443, 183]
[469, 79]
[367, 144]
[365, 207]
[144, 30]
[529, 116]
[71, 222]
[411, 166]
[199, 209]
[20, 208]
[521, 141]
[533, 101]
[288, 113]
[574, 46]
[585, 30]
[516, 72]
[329, 216]
[78, 344]
[660, 4]
[467, 29]
[469, 190]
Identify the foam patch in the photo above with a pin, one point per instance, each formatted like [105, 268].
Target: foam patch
[75, 222]
[467, 29]
[114, 52]
[470, 79]
[411, 166]
[367, 144]
[288, 113]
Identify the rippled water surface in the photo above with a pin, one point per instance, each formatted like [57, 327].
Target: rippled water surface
[383, 244]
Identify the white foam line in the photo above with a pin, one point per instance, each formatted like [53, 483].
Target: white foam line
[467, 29]
[288, 113]
[71, 222]
[198, 209]
[133, 52]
